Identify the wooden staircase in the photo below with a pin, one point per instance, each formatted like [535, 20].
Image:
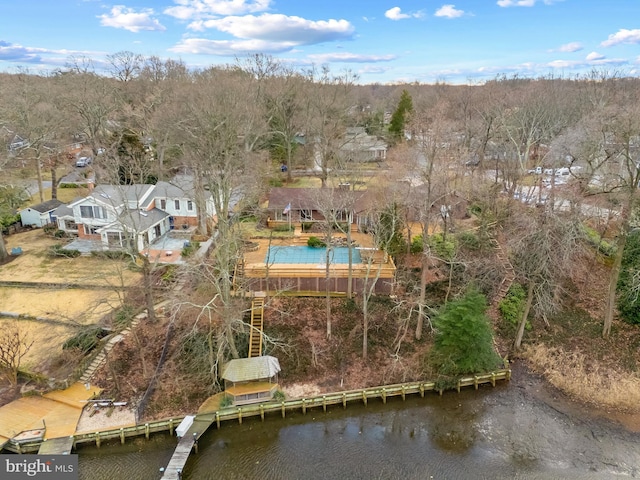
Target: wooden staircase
[255, 335]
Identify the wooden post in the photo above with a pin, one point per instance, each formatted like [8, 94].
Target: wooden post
[403, 393]
[422, 390]
[304, 407]
[493, 378]
[146, 431]
[344, 400]
[508, 375]
[122, 436]
[283, 410]
[195, 441]
[262, 412]
[475, 381]
[384, 395]
[441, 391]
[240, 415]
[324, 403]
[364, 397]
[218, 419]
[459, 385]
[171, 426]
[98, 439]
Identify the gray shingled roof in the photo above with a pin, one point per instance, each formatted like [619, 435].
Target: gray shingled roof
[117, 195]
[139, 221]
[47, 206]
[248, 369]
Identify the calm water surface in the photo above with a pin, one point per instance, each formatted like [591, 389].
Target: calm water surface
[515, 431]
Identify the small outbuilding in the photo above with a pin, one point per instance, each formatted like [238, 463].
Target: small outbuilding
[251, 380]
[39, 215]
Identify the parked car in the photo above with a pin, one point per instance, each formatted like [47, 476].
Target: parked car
[83, 162]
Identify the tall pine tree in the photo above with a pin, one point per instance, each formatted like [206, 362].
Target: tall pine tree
[399, 117]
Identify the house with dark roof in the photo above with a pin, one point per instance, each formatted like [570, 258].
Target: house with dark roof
[311, 205]
[39, 215]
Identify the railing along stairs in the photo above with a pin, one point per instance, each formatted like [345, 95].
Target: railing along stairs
[255, 336]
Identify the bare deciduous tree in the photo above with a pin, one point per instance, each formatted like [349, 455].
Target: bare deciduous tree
[14, 345]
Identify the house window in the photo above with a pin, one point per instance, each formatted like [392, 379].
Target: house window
[190, 205]
[305, 215]
[90, 230]
[177, 203]
[114, 239]
[163, 204]
[88, 211]
[157, 231]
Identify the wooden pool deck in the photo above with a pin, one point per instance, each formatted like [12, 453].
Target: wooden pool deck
[302, 278]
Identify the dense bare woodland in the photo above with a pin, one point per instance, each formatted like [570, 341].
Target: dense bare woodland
[525, 189]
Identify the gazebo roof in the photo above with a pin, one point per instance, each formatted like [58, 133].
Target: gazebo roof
[248, 369]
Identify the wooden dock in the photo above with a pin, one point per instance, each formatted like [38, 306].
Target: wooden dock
[174, 469]
[57, 446]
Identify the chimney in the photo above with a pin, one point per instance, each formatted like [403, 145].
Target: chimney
[90, 184]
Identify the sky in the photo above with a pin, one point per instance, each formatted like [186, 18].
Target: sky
[382, 41]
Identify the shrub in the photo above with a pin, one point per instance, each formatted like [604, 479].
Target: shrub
[469, 240]
[594, 239]
[283, 227]
[57, 251]
[307, 226]
[86, 339]
[68, 185]
[315, 242]
[279, 396]
[464, 340]
[441, 247]
[111, 254]
[190, 248]
[512, 305]
[417, 245]
[123, 316]
[226, 401]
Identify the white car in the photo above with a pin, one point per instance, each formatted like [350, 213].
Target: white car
[83, 162]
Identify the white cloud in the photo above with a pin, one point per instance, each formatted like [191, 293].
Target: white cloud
[570, 47]
[225, 48]
[594, 56]
[193, 9]
[516, 3]
[396, 14]
[12, 52]
[622, 36]
[282, 28]
[350, 57]
[449, 11]
[128, 19]
[523, 3]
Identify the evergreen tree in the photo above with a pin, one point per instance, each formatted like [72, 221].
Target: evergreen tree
[464, 340]
[399, 117]
[628, 285]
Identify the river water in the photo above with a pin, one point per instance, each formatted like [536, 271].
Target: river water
[517, 430]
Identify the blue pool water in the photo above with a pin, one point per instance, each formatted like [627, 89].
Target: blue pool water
[304, 254]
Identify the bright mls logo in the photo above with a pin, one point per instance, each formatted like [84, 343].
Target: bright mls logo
[52, 467]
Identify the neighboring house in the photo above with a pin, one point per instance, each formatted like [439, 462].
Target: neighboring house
[359, 146]
[18, 143]
[306, 205]
[123, 215]
[39, 215]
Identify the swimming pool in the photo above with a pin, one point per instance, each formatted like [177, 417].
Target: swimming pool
[303, 254]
